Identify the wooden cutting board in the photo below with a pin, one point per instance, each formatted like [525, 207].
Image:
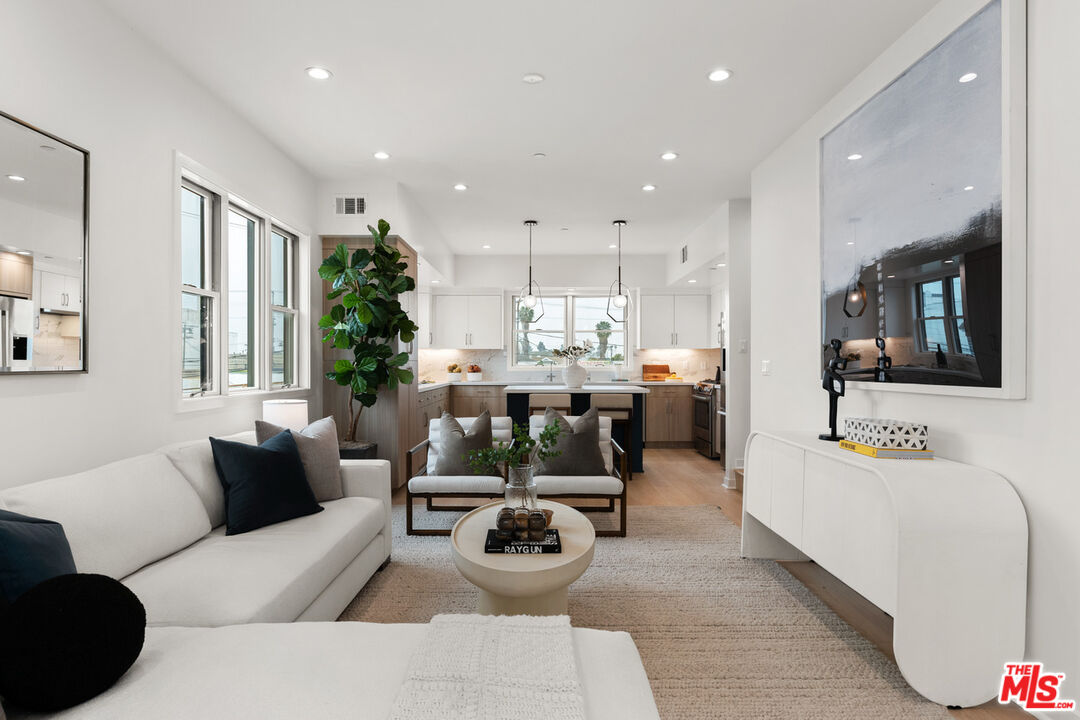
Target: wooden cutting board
[650, 373]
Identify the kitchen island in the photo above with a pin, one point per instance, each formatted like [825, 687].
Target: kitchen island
[517, 407]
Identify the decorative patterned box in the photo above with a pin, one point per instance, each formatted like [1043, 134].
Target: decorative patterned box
[885, 433]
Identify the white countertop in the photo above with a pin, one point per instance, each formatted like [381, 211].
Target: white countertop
[587, 388]
[422, 387]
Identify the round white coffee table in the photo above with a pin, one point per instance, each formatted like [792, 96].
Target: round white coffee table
[522, 584]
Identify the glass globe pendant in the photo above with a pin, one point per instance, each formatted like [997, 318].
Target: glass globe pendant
[530, 294]
[618, 294]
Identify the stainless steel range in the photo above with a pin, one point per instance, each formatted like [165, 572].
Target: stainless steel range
[710, 419]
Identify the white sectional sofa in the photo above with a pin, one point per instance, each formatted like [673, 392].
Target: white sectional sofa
[156, 522]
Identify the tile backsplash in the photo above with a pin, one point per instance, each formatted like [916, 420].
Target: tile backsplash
[56, 342]
[690, 364]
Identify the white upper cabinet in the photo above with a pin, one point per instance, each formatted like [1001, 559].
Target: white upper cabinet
[466, 321]
[60, 292]
[674, 321]
[422, 318]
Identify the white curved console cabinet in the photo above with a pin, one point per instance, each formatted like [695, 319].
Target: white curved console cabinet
[939, 545]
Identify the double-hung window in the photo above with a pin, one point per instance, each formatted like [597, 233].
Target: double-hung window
[239, 303]
[940, 320]
[199, 293]
[567, 320]
[282, 308]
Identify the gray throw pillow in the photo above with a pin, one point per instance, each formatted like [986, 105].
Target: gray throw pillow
[455, 444]
[578, 446]
[318, 447]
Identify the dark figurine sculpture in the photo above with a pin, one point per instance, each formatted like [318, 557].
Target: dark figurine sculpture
[833, 382]
[884, 362]
[942, 361]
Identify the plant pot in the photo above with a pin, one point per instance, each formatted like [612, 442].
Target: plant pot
[521, 488]
[574, 375]
[453, 377]
[357, 450]
[474, 377]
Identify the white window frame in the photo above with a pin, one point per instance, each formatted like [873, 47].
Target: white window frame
[569, 331]
[211, 273]
[190, 173]
[290, 307]
[259, 287]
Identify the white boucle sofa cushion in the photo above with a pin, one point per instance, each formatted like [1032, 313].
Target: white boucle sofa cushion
[267, 575]
[118, 517]
[195, 461]
[322, 670]
[450, 484]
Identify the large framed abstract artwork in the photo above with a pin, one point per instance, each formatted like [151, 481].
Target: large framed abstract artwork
[923, 220]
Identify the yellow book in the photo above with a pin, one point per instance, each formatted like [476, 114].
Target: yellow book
[886, 453]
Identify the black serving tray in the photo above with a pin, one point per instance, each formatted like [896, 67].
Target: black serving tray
[551, 544]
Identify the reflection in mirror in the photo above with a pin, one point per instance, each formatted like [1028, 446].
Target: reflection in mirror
[43, 251]
[911, 209]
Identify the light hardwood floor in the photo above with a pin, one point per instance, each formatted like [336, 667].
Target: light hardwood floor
[683, 477]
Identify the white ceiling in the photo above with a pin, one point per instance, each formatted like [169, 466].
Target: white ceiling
[438, 85]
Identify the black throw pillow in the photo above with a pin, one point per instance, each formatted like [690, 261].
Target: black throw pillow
[264, 484]
[31, 550]
[68, 639]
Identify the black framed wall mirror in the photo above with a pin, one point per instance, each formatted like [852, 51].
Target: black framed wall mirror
[44, 251]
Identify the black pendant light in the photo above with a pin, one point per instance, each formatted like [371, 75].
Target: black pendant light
[530, 294]
[618, 302]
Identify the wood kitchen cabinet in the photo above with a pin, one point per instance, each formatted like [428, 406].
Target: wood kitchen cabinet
[467, 321]
[16, 275]
[430, 405]
[669, 416]
[674, 321]
[471, 401]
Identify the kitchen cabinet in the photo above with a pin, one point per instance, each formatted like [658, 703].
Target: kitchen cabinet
[669, 416]
[423, 319]
[674, 321]
[430, 406]
[16, 275]
[60, 292]
[467, 321]
[471, 401]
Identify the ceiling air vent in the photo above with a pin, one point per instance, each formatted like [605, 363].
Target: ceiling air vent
[349, 205]
[683, 254]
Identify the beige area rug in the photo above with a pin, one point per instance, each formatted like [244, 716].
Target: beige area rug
[720, 637]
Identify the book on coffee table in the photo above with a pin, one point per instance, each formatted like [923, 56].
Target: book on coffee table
[550, 544]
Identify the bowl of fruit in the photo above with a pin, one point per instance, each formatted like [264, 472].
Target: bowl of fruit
[453, 372]
[475, 374]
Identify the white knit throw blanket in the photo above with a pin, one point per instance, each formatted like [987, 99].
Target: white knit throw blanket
[493, 668]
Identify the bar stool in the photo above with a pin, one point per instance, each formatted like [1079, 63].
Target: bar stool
[559, 402]
[620, 408]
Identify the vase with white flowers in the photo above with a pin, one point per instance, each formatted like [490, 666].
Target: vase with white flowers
[574, 374]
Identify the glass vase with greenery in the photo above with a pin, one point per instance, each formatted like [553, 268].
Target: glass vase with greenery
[518, 457]
[368, 320]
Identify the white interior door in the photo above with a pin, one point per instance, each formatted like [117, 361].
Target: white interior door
[657, 321]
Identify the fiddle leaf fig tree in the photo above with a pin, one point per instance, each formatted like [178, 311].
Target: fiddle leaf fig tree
[367, 320]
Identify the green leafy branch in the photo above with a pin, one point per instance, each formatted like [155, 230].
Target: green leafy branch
[523, 450]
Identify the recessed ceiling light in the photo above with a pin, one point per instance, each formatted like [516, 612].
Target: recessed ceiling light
[434, 282]
[532, 78]
[486, 247]
[854, 156]
[948, 262]
[23, 252]
[851, 242]
[612, 246]
[890, 276]
[968, 77]
[16, 178]
[669, 155]
[719, 265]
[720, 75]
[539, 155]
[969, 188]
[691, 281]
[319, 73]
[461, 187]
[648, 188]
[381, 155]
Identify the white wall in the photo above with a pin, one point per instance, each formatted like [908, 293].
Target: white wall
[1029, 441]
[705, 244]
[86, 77]
[738, 377]
[596, 272]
